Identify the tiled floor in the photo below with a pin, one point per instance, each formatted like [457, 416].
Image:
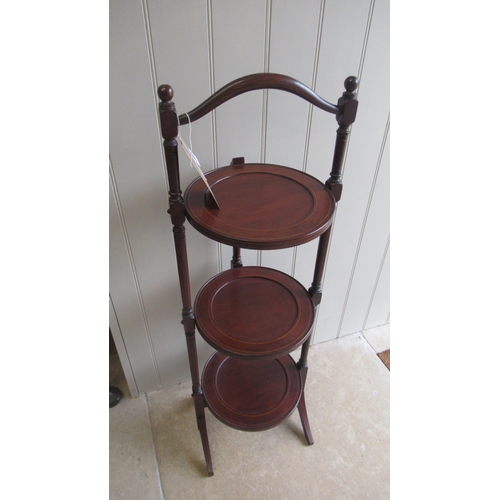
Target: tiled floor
[156, 453]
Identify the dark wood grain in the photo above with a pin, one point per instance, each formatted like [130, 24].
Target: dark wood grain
[258, 81]
[348, 105]
[253, 316]
[304, 419]
[168, 120]
[251, 396]
[254, 313]
[261, 206]
[315, 291]
[236, 259]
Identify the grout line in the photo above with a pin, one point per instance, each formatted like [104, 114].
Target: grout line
[368, 342]
[374, 328]
[372, 348]
[361, 332]
[160, 484]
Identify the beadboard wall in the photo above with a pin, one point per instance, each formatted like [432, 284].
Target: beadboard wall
[197, 47]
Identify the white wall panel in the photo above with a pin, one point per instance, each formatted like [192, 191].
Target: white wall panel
[189, 74]
[239, 36]
[121, 348]
[378, 313]
[293, 55]
[344, 27]
[197, 47]
[341, 49]
[287, 116]
[124, 292]
[372, 247]
[360, 168]
[140, 181]
[176, 26]
[239, 49]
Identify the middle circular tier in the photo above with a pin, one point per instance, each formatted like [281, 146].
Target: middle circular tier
[254, 313]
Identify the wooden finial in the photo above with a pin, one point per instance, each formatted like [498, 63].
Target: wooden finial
[165, 93]
[348, 105]
[351, 83]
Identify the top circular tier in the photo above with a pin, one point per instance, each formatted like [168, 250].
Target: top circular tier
[261, 206]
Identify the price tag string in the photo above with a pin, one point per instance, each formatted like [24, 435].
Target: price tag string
[193, 161]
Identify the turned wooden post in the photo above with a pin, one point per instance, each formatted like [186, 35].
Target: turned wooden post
[169, 124]
[315, 292]
[236, 260]
[345, 111]
[348, 105]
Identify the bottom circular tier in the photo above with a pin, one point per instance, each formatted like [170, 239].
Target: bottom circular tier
[251, 395]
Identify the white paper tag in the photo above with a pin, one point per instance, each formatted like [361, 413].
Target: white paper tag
[196, 164]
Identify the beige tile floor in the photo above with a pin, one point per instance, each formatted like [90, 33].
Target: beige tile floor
[155, 450]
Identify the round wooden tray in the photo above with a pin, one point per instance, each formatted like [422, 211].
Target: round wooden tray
[261, 206]
[251, 395]
[254, 313]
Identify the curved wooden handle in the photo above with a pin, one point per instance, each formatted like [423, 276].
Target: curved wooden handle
[258, 81]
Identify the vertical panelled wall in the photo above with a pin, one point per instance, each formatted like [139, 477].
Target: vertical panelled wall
[197, 47]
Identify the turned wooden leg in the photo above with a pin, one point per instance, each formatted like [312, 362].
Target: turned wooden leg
[236, 260]
[303, 367]
[199, 403]
[305, 420]
[189, 330]
[199, 400]
[177, 211]
[315, 293]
